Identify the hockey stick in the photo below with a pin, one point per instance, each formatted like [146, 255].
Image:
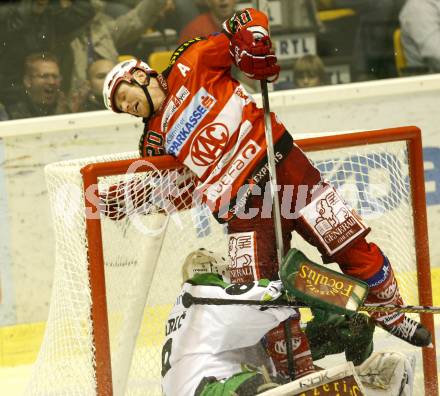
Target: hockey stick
[400, 308]
[272, 173]
[188, 300]
[273, 184]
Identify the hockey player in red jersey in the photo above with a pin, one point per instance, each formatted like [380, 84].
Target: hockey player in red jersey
[196, 112]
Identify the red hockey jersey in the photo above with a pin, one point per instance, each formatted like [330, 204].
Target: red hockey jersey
[208, 121]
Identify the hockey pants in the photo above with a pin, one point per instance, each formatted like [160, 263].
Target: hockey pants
[360, 259]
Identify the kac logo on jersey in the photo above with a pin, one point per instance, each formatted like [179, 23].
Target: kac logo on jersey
[209, 144]
[189, 120]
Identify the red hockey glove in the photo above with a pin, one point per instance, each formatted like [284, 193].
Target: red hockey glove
[147, 195]
[125, 198]
[253, 57]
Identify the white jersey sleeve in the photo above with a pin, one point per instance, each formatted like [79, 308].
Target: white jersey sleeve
[201, 341]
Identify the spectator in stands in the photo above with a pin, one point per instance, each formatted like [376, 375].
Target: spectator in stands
[309, 71]
[210, 21]
[42, 81]
[372, 47]
[90, 98]
[31, 26]
[117, 8]
[304, 15]
[180, 14]
[420, 34]
[101, 38]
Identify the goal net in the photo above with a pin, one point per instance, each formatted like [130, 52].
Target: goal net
[116, 277]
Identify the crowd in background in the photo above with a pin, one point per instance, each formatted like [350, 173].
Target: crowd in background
[55, 54]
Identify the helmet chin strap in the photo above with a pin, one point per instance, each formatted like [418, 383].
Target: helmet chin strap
[149, 100]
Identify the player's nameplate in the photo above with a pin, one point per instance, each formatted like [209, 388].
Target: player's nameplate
[319, 286]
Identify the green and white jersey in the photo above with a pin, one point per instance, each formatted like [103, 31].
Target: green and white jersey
[208, 340]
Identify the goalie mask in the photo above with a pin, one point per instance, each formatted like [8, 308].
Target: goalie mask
[203, 261]
[127, 71]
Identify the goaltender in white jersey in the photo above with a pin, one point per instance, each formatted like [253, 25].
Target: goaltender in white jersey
[216, 350]
[206, 341]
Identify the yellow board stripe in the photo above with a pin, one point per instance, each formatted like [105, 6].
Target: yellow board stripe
[19, 344]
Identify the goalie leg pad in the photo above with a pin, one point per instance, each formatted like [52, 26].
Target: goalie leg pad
[388, 373]
[338, 380]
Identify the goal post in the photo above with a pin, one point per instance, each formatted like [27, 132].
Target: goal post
[116, 280]
[412, 137]
[90, 174]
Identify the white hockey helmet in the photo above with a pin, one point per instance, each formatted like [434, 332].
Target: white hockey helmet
[123, 71]
[203, 261]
